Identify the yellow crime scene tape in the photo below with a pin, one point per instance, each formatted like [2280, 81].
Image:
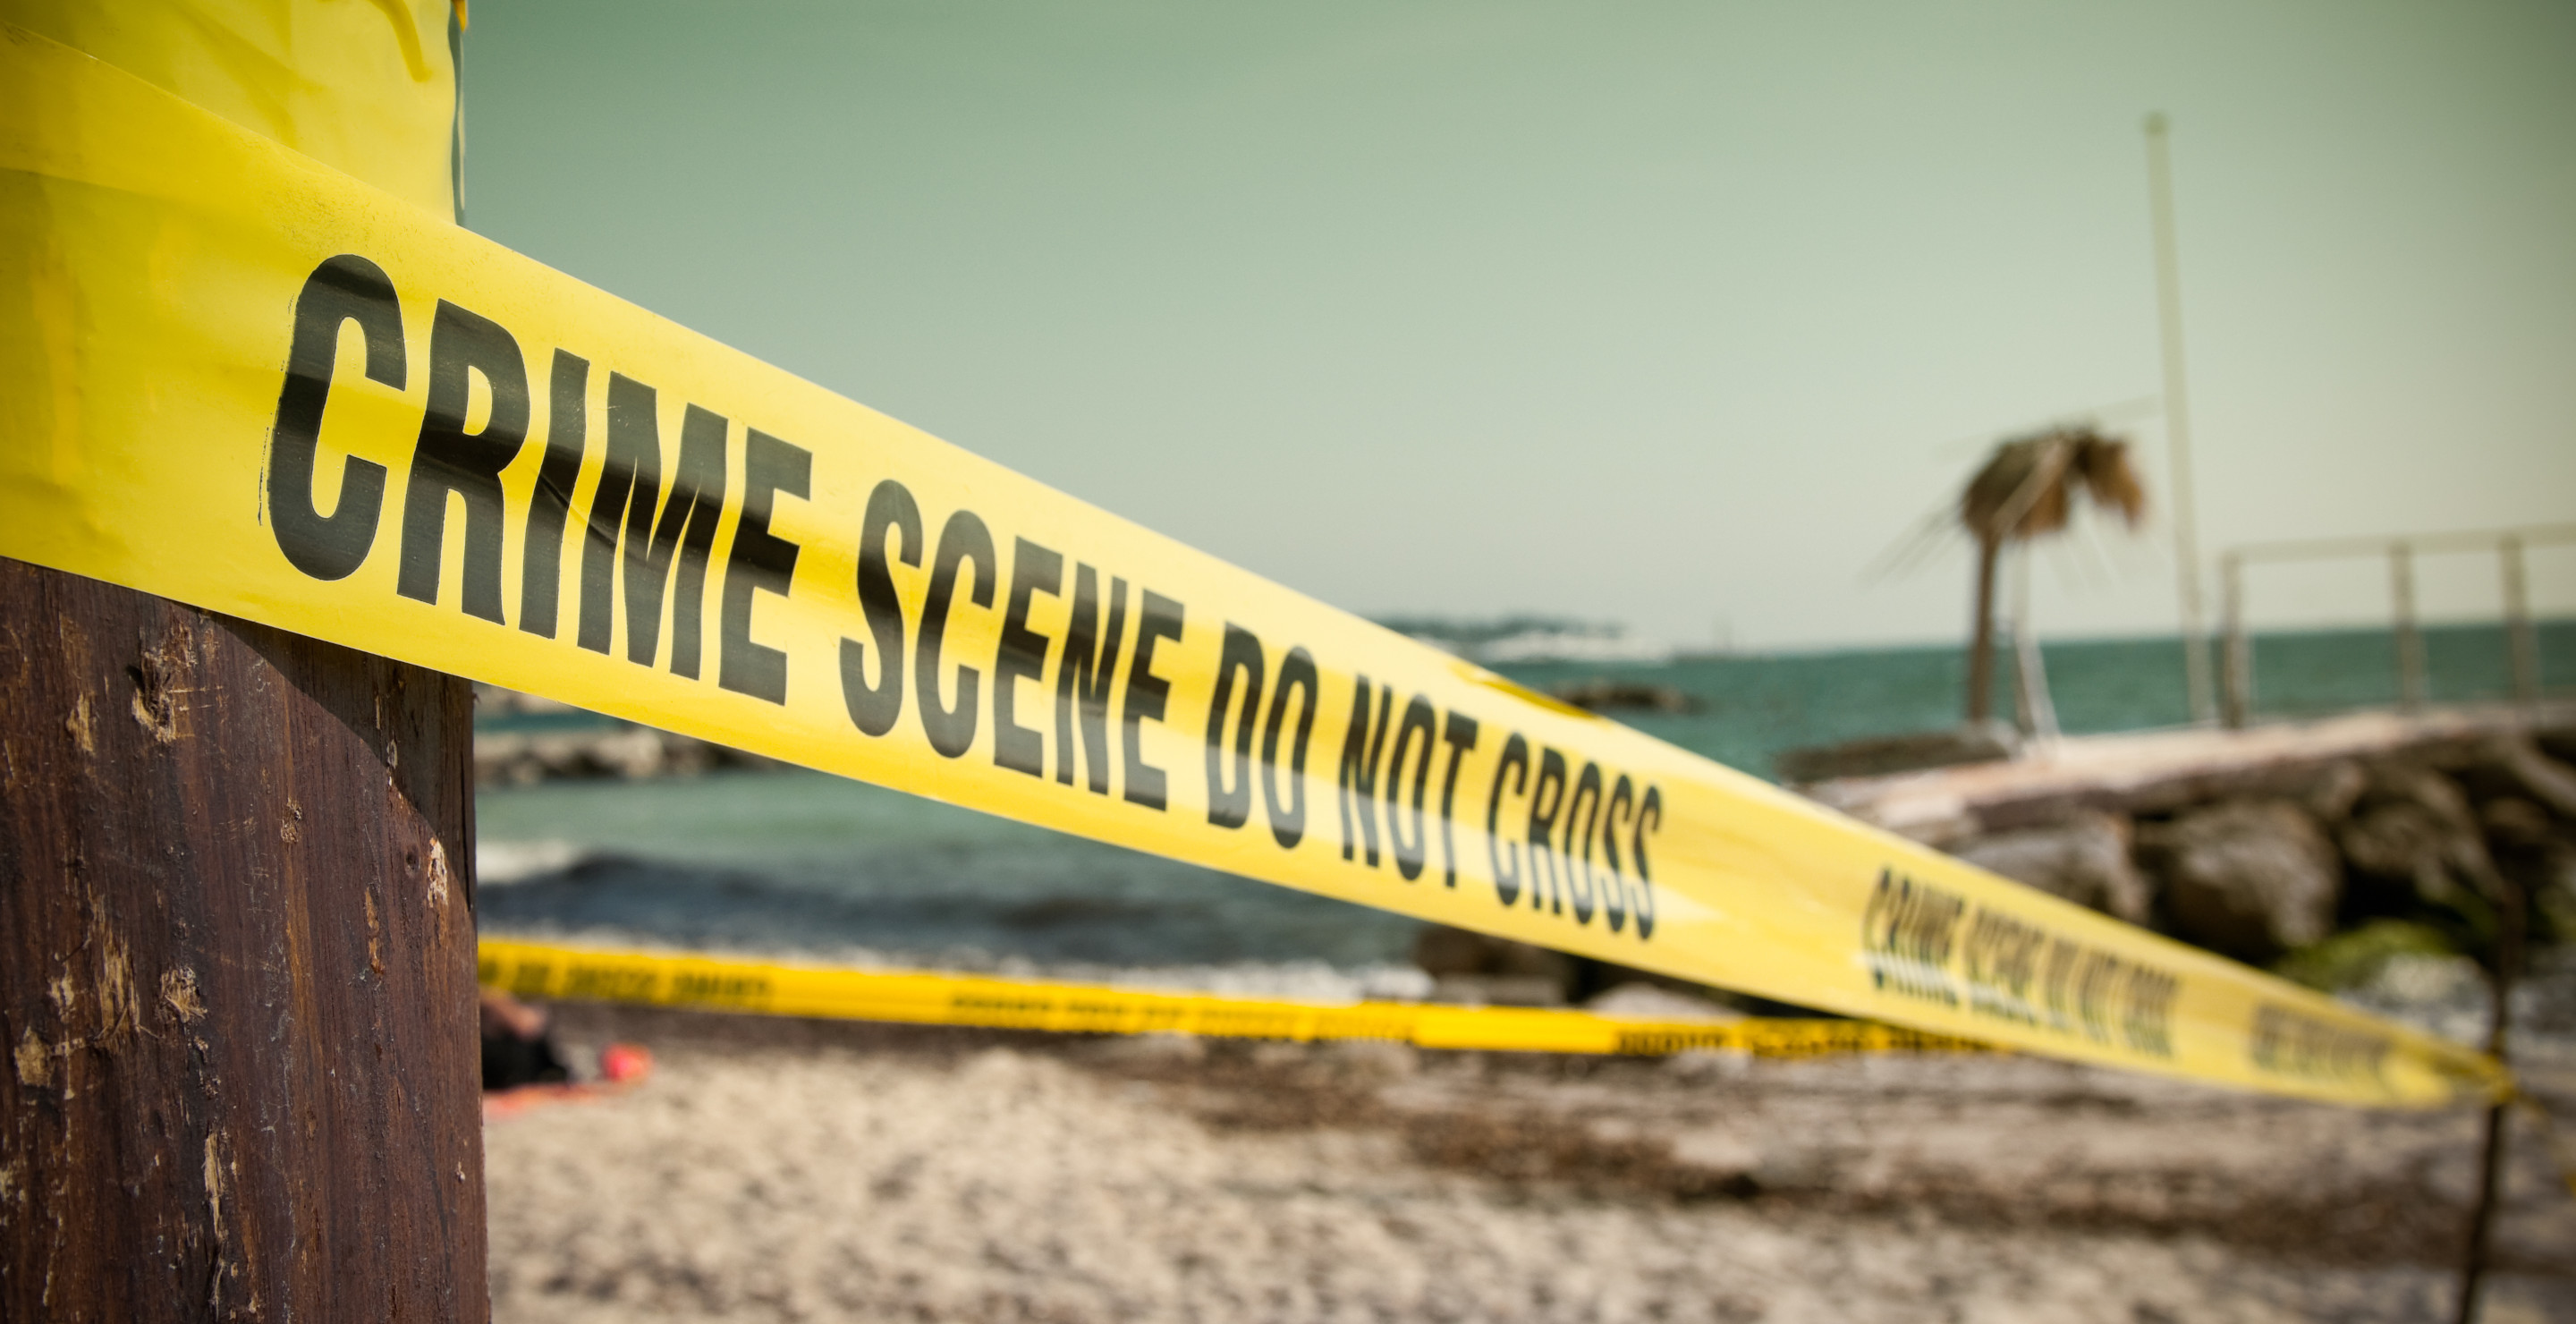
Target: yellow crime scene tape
[553, 971]
[240, 378]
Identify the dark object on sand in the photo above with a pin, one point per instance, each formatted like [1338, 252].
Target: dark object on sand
[1478, 968]
[518, 1046]
[1482, 970]
[1877, 756]
[622, 1067]
[1601, 694]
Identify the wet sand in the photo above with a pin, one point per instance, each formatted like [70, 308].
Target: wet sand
[784, 1170]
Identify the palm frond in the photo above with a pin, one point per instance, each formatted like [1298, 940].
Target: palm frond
[1912, 548]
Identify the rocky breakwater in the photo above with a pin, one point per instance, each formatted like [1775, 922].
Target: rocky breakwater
[2325, 849]
[520, 739]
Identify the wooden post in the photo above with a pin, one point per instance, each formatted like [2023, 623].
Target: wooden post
[236, 970]
[2505, 967]
[2238, 706]
[2410, 640]
[2522, 644]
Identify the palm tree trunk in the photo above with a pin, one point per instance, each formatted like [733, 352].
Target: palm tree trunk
[1981, 635]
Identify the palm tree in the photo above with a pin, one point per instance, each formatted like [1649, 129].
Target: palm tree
[2028, 489]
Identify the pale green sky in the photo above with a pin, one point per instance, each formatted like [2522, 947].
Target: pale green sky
[1642, 312]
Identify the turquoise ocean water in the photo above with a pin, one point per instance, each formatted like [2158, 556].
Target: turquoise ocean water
[801, 862]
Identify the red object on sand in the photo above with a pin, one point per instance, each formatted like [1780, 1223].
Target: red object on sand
[621, 1068]
[625, 1063]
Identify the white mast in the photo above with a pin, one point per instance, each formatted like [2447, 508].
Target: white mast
[2195, 636]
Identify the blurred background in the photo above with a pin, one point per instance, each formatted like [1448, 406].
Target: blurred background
[1724, 368]
[1642, 354]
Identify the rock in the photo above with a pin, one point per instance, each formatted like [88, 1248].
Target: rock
[2415, 825]
[2409, 843]
[2515, 825]
[1879, 755]
[2555, 897]
[2084, 859]
[2537, 776]
[2399, 781]
[2539, 855]
[496, 699]
[2331, 791]
[1601, 694]
[2251, 879]
[622, 750]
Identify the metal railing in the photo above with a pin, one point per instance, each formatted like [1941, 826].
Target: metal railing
[2522, 646]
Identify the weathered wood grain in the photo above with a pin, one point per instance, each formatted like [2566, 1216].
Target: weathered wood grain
[236, 970]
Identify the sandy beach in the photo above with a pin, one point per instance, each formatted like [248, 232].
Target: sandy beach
[790, 1170]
